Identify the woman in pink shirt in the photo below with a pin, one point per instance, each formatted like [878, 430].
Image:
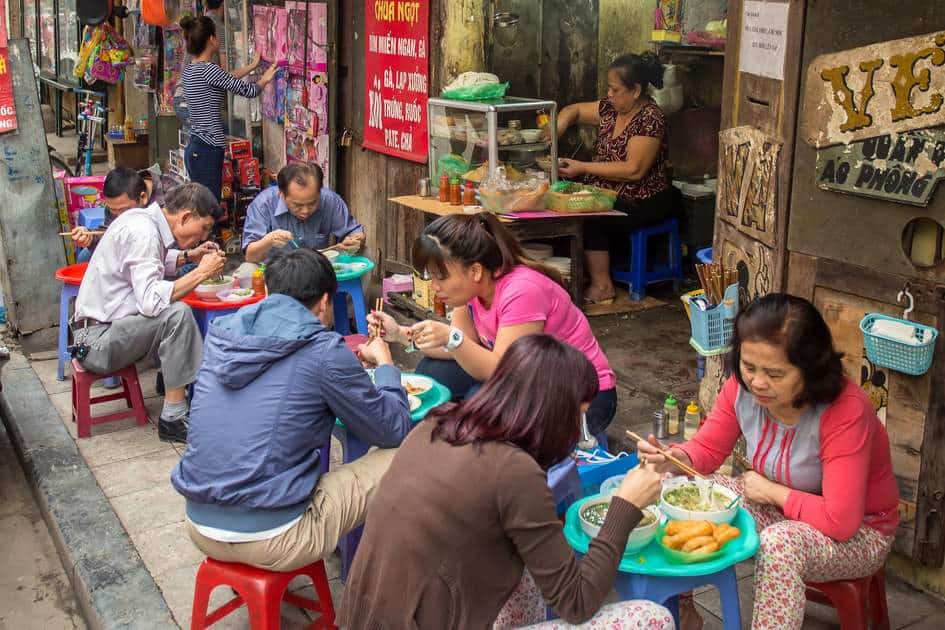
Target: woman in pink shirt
[498, 295]
[821, 488]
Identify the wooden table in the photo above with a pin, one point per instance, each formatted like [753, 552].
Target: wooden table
[540, 225]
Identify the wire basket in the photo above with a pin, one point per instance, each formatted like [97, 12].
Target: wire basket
[712, 329]
[909, 358]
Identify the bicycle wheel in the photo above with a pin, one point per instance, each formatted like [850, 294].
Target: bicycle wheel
[57, 162]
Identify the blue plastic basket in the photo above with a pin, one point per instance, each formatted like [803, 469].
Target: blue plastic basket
[704, 255]
[712, 329]
[896, 355]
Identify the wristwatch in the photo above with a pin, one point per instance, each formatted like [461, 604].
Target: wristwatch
[455, 339]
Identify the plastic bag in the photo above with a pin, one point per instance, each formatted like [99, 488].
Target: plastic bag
[481, 92]
[452, 165]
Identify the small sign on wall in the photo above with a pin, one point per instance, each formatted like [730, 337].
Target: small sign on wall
[904, 167]
[763, 39]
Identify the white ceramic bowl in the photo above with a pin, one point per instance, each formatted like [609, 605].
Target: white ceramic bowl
[674, 513]
[414, 402]
[210, 291]
[610, 485]
[331, 254]
[531, 135]
[639, 538]
[224, 295]
[421, 384]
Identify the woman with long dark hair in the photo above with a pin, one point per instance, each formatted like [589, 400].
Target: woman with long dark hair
[498, 295]
[204, 85]
[821, 487]
[465, 508]
[630, 158]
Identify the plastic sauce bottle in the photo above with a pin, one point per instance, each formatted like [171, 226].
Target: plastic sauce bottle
[259, 281]
[456, 192]
[691, 421]
[444, 194]
[469, 195]
[671, 413]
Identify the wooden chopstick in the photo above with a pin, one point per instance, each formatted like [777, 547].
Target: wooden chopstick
[665, 453]
[328, 249]
[379, 308]
[90, 232]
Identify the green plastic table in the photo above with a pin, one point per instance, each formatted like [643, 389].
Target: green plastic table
[648, 574]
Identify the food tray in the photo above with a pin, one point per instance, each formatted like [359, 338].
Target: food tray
[593, 199]
[651, 560]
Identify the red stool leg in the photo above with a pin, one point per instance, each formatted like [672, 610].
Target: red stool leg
[849, 602]
[202, 590]
[82, 407]
[265, 607]
[135, 396]
[879, 613]
[316, 572]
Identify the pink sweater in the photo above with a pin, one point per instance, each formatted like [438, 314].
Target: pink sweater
[836, 460]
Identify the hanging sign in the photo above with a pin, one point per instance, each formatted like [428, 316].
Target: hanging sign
[7, 105]
[396, 77]
[867, 92]
[903, 168]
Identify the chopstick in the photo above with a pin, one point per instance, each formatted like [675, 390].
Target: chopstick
[328, 249]
[714, 279]
[665, 453]
[89, 232]
[379, 308]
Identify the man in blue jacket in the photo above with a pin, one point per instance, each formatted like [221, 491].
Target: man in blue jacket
[274, 378]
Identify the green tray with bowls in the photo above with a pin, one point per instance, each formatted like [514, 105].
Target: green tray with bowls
[653, 559]
[434, 397]
[351, 267]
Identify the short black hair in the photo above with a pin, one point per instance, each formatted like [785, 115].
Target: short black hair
[124, 181]
[213, 5]
[303, 274]
[192, 196]
[299, 173]
[796, 325]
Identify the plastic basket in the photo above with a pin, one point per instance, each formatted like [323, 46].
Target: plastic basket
[704, 255]
[712, 329]
[593, 199]
[898, 355]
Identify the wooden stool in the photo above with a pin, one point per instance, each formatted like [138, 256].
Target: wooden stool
[263, 593]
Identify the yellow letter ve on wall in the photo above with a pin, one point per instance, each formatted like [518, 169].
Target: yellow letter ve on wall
[886, 87]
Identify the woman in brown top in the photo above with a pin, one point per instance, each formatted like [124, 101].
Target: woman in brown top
[465, 507]
[630, 158]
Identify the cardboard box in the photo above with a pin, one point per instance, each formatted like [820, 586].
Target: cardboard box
[238, 149]
[248, 173]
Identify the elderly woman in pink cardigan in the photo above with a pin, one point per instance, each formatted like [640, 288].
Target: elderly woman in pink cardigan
[821, 487]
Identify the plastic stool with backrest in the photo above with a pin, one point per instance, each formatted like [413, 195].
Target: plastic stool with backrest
[82, 399]
[639, 274]
[860, 603]
[263, 593]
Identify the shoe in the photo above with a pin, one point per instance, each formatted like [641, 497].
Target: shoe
[159, 384]
[173, 430]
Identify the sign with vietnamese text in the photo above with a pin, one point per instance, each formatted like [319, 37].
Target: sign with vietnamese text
[904, 167]
[396, 77]
[764, 38]
[7, 106]
[883, 88]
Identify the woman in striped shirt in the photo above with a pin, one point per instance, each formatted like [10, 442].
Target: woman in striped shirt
[205, 85]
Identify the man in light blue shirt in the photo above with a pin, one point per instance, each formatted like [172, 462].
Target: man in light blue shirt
[300, 210]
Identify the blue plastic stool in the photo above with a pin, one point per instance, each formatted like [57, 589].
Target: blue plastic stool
[639, 275]
[565, 484]
[355, 290]
[666, 590]
[66, 295]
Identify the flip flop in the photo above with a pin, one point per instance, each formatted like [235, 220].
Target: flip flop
[599, 302]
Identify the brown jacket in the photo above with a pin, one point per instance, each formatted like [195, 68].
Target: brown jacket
[450, 530]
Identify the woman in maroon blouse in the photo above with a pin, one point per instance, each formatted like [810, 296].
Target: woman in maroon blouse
[630, 158]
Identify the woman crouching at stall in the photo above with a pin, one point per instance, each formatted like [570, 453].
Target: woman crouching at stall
[821, 488]
[465, 508]
[499, 295]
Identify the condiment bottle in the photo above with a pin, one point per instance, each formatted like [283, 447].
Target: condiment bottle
[691, 421]
[659, 424]
[456, 192]
[439, 306]
[444, 195]
[129, 129]
[469, 195]
[671, 413]
[259, 281]
[543, 119]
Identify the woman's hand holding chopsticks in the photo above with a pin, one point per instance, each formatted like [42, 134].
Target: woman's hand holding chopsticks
[651, 451]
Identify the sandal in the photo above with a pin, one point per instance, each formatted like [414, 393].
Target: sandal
[589, 301]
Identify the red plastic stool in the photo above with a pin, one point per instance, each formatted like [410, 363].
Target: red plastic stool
[860, 603]
[82, 400]
[263, 593]
[353, 341]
